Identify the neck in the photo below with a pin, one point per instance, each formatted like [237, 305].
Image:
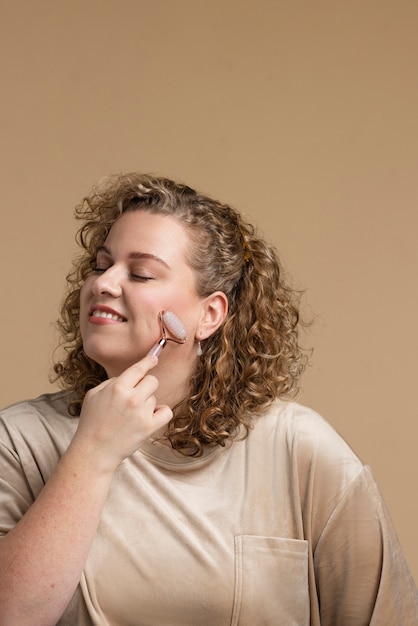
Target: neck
[173, 372]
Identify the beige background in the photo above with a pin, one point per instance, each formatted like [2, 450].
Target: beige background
[301, 113]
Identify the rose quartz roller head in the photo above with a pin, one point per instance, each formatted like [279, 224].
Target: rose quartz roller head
[169, 323]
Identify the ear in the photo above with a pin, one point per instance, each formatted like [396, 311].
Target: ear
[214, 312]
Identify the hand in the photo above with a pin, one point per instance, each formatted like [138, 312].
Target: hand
[120, 414]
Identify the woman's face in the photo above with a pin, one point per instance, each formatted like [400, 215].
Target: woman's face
[140, 270]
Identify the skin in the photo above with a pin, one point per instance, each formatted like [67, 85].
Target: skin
[131, 282]
[43, 556]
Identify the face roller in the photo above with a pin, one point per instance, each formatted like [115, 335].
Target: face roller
[169, 323]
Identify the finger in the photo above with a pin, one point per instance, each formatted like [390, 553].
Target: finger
[149, 385]
[136, 372]
[162, 415]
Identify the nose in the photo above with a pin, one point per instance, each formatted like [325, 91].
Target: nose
[108, 282]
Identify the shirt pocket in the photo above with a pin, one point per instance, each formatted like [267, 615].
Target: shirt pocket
[271, 582]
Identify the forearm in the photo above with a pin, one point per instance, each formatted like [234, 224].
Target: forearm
[43, 556]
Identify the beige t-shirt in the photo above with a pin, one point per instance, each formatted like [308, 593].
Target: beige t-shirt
[283, 527]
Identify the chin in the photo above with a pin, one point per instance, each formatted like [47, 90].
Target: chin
[111, 356]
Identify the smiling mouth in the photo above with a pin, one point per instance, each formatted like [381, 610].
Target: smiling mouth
[108, 316]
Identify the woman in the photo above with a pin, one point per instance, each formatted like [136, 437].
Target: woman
[186, 489]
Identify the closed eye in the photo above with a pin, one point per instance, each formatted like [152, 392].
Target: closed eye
[141, 278]
[138, 277]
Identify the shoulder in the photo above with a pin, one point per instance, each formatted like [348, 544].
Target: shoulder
[304, 432]
[308, 450]
[52, 405]
[35, 419]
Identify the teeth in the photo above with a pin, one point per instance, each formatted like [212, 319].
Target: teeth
[108, 316]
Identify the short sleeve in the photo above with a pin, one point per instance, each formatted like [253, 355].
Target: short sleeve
[15, 492]
[33, 436]
[361, 573]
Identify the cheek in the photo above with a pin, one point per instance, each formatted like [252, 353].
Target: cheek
[187, 307]
[84, 291]
[85, 297]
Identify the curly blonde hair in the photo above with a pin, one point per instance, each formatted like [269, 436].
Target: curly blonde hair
[253, 358]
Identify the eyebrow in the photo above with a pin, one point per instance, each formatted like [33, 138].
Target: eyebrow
[136, 255]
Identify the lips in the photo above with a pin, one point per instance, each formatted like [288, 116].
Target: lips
[100, 312]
